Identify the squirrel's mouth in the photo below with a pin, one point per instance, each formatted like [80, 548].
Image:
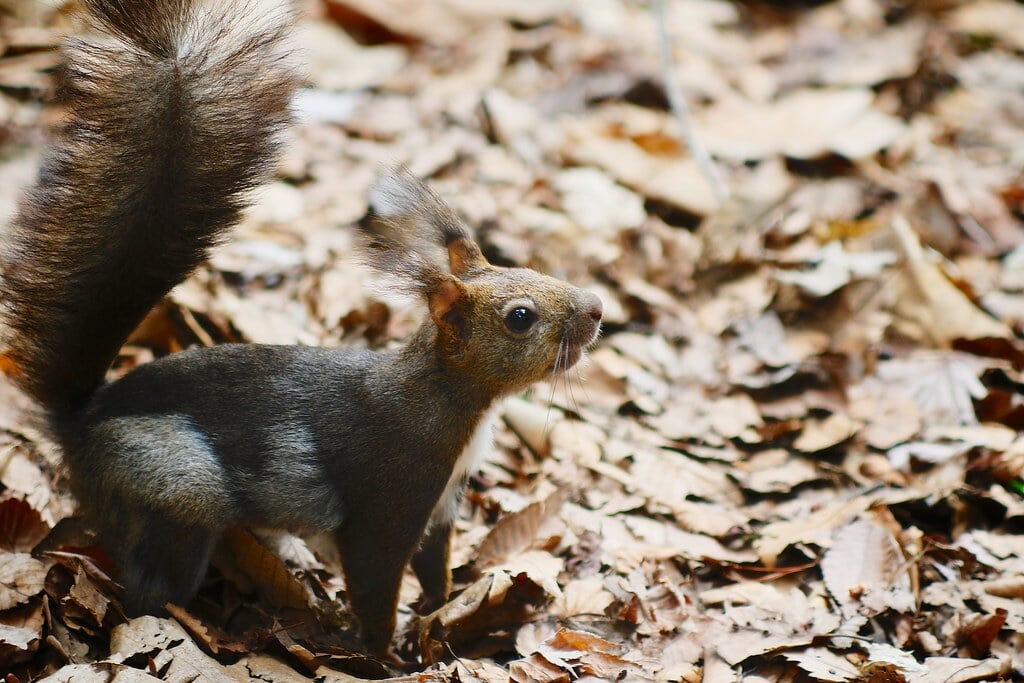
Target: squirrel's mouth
[571, 350]
[567, 358]
[581, 332]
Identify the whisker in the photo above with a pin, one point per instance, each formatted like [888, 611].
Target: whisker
[585, 360]
[554, 383]
[568, 387]
[581, 379]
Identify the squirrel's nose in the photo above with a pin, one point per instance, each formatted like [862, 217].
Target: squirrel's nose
[594, 307]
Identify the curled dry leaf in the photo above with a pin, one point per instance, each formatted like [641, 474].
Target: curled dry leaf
[596, 203]
[21, 631]
[889, 419]
[21, 525]
[515, 532]
[586, 653]
[539, 566]
[266, 669]
[168, 644]
[834, 268]
[88, 597]
[21, 577]
[999, 18]
[537, 669]
[265, 569]
[211, 637]
[933, 308]
[670, 478]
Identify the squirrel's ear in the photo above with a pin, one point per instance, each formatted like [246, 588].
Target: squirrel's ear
[417, 217]
[464, 255]
[447, 300]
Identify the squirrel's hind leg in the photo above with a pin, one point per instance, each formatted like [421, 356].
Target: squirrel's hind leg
[162, 561]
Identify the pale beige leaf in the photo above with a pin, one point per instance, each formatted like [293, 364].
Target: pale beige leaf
[266, 669]
[516, 531]
[888, 419]
[805, 123]
[81, 673]
[583, 596]
[670, 478]
[824, 665]
[999, 18]
[18, 637]
[21, 577]
[865, 570]
[165, 639]
[959, 670]
[596, 203]
[819, 435]
[539, 566]
[815, 528]
[677, 181]
[835, 268]
[782, 478]
[666, 540]
[931, 306]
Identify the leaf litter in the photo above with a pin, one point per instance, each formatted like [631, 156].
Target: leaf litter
[796, 454]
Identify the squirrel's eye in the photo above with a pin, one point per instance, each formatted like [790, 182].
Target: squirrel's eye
[520, 319]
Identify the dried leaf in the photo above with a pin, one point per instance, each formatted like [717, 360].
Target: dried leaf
[266, 570]
[21, 631]
[676, 181]
[932, 307]
[21, 577]
[21, 526]
[539, 566]
[824, 665]
[515, 532]
[956, 670]
[804, 124]
[827, 433]
[150, 636]
[865, 570]
[583, 596]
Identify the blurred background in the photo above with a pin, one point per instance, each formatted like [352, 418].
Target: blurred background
[796, 453]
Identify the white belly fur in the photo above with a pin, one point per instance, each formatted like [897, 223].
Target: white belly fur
[469, 461]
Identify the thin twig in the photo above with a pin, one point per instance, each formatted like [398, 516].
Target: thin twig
[679, 107]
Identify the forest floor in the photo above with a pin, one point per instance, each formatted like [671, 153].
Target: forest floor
[796, 453]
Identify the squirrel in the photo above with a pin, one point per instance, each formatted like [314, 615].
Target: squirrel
[174, 115]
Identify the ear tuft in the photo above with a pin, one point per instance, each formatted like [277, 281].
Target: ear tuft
[396, 194]
[414, 219]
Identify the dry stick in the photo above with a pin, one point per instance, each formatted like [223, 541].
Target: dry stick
[679, 107]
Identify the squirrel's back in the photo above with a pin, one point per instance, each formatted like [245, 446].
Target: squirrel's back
[173, 117]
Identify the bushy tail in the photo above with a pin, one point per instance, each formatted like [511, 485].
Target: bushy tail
[173, 117]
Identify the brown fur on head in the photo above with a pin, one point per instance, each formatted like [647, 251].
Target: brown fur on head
[504, 327]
